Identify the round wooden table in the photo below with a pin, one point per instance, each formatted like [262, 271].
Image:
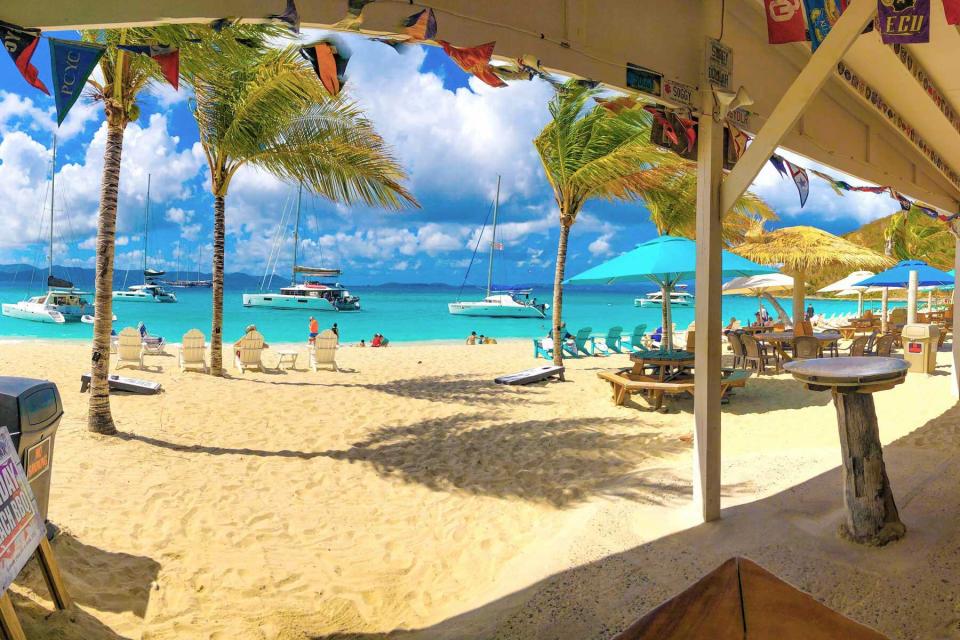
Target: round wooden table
[872, 516]
[666, 366]
[777, 338]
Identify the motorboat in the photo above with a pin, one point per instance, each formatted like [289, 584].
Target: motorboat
[498, 302]
[655, 299]
[308, 295]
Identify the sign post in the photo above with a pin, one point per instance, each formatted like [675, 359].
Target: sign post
[22, 535]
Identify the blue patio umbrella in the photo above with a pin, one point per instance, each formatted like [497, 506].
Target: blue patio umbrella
[898, 277]
[665, 261]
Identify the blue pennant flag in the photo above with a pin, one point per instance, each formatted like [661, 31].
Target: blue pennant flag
[71, 63]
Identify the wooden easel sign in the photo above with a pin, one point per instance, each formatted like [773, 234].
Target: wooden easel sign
[22, 534]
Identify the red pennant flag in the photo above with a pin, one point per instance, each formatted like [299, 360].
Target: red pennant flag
[167, 57]
[785, 21]
[20, 44]
[668, 130]
[328, 64]
[951, 9]
[690, 129]
[475, 60]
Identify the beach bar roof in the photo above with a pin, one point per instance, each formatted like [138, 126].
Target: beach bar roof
[884, 115]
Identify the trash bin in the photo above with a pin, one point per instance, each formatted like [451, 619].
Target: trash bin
[30, 411]
[920, 347]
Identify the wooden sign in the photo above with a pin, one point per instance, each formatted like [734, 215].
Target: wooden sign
[682, 95]
[719, 64]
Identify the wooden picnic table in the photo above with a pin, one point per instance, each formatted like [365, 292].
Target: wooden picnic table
[872, 516]
[666, 365]
[777, 338]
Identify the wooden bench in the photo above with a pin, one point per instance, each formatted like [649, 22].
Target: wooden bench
[623, 384]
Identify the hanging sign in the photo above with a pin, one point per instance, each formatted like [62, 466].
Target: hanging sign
[719, 64]
[785, 21]
[71, 63]
[644, 80]
[21, 525]
[904, 21]
[681, 94]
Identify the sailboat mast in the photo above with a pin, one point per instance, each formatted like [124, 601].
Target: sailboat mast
[146, 228]
[493, 238]
[53, 189]
[296, 235]
[178, 259]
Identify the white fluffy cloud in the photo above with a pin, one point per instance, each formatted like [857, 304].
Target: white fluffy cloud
[21, 112]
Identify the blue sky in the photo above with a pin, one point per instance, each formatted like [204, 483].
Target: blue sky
[452, 133]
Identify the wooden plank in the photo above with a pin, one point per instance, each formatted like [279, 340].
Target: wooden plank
[805, 87]
[707, 394]
[9, 623]
[51, 574]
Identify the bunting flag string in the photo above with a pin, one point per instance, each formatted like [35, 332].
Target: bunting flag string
[290, 17]
[166, 56]
[421, 26]
[800, 179]
[71, 63]
[329, 63]
[837, 186]
[20, 43]
[474, 60]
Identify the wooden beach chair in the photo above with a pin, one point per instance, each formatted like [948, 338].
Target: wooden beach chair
[249, 355]
[581, 342]
[542, 349]
[151, 344]
[635, 340]
[624, 383]
[129, 348]
[324, 351]
[193, 351]
[611, 342]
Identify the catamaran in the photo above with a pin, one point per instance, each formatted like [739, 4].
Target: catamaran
[502, 302]
[678, 298]
[62, 302]
[151, 290]
[311, 295]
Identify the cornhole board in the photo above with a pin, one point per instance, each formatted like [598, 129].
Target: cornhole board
[740, 600]
[531, 375]
[121, 383]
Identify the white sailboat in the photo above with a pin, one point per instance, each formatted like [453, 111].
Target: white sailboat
[151, 290]
[502, 303]
[62, 302]
[187, 284]
[309, 295]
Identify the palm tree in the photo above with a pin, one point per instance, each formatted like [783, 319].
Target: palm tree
[598, 153]
[267, 109]
[911, 235]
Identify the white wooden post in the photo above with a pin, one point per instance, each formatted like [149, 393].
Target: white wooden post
[706, 397]
[822, 64]
[955, 339]
[912, 298]
[884, 310]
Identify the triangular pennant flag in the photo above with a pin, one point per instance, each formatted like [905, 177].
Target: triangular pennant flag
[867, 189]
[511, 72]
[20, 44]
[71, 63]
[474, 60]
[829, 180]
[739, 140]
[166, 56]
[328, 63]
[617, 105]
[779, 164]
[290, 16]
[661, 119]
[951, 9]
[800, 179]
[532, 65]
[689, 129]
[421, 26]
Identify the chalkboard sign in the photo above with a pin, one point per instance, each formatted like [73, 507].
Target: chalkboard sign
[21, 525]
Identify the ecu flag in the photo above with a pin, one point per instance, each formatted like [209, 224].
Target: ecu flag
[20, 44]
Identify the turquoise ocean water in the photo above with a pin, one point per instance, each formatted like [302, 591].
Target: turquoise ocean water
[401, 314]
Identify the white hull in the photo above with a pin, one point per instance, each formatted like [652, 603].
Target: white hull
[488, 310]
[26, 311]
[140, 296]
[281, 301]
[643, 302]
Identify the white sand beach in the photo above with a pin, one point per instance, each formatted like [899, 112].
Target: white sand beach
[409, 493]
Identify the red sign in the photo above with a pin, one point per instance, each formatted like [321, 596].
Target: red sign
[951, 9]
[37, 459]
[785, 21]
[914, 347]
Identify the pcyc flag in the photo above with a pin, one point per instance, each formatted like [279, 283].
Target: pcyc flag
[20, 44]
[71, 63]
[785, 21]
[166, 56]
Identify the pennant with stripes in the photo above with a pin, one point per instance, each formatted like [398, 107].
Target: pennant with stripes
[837, 188]
[166, 56]
[800, 179]
[290, 17]
[71, 63]
[867, 189]
[421, 26]
[20, 43]
[779, 164]
[329, 64]
[474, 60]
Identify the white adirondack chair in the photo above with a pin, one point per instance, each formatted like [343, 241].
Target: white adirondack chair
[249, 354]
[129, 348]
[192, 351]
[324, 351]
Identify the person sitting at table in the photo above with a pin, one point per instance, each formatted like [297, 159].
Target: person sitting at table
[764, 316]
[733, 326]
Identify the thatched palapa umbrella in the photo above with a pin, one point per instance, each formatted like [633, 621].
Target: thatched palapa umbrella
[806, 251]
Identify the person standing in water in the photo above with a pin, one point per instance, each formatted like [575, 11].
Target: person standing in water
[314, 330]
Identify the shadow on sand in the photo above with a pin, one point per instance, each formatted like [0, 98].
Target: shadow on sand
[907, 589]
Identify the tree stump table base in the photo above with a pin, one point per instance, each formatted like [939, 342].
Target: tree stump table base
[871, 515]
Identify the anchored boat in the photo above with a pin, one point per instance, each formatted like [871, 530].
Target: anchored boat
[151, 290]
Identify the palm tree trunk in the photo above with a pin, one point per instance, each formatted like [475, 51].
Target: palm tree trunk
[558, 294]
[99, 417]
[216, 331]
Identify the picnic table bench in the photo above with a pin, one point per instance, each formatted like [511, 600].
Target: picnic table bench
[624, 383]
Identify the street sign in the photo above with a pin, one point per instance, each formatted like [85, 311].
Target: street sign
[719, 64]
[644, 80]
[682, 95]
